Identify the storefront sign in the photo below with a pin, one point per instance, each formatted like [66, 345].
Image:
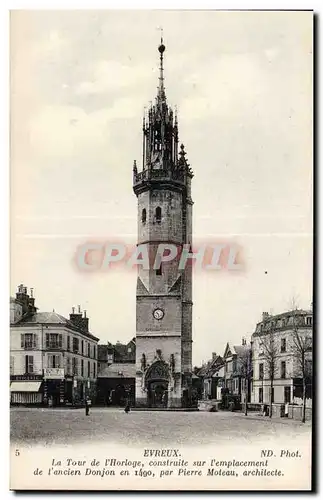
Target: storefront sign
[26, 377]
[54, 373]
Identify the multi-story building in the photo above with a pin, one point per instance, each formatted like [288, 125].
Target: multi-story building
[276, 344]
[116, 353]
[164, 291]
[212, 374]
[116, 373]
[53, 360]
[238, 370]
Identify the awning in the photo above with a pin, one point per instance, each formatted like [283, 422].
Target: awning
[25, 386]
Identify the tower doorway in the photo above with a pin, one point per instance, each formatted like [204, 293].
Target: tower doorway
[158, 394]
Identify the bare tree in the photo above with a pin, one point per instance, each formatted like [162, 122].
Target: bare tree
[245, 363]
[302, 354]
[270, 355]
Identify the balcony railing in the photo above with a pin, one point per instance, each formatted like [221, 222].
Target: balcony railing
[151, 174]
[30, 345]
[54, 345]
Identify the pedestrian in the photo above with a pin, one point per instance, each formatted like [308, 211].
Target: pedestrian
[286, 409]
[127, 407]
[87, 406]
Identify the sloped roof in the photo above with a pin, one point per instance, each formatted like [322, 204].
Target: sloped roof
[51, 318]
[118, 370]
[227, 351]
[47, 317]
[274, 318]
[240, 350]
[211, 367]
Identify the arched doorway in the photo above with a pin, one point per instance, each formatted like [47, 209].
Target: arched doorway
[158, 394]
[157, 380]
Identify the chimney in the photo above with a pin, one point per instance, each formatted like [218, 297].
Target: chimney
[214, 356]
[81, 322]
[85, 322]
[28, 303]
[265, 316]
[31, 301]
[76, 318]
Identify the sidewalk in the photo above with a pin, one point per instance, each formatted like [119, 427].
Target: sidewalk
[281, 420]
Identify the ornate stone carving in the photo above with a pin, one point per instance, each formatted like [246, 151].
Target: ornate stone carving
[158, 371]
[158, 355]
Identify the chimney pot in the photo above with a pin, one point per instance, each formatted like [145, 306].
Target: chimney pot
[73, 310]
[265, 315]
[84, 313]
[79, 309]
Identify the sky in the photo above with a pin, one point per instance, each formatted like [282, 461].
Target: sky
[242, 84]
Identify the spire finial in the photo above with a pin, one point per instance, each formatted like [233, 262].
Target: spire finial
[161, 49]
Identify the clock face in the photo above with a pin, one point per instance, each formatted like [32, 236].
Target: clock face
[158, 314]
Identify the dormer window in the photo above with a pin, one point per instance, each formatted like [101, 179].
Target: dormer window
[309, 321]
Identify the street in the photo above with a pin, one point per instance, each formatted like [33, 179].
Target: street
[66, 426]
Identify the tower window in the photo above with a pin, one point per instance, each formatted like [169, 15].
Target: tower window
[159, 270]
[309, 321]
[158, 215]
[143, 216]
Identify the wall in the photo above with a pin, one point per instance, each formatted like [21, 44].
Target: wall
[15, 311]
[170, 228]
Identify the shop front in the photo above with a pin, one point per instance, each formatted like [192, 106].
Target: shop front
[54, 386]
[26, 390]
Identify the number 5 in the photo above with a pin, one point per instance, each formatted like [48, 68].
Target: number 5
[17, 453]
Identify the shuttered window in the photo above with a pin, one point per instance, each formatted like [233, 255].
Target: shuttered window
[29, 364]
[54, 341]
[28, 340]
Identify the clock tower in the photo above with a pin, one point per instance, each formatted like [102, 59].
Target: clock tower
[164, 295]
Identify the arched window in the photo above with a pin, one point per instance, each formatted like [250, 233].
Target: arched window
[143, 216]
[158, 215]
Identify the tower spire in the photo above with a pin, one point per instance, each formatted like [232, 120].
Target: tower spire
[161, 96]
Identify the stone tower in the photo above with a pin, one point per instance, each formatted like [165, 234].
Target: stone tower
[164, 295]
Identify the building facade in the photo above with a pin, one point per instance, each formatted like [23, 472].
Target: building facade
[238, 371]
[53, 360]
[277, 337]
[164, 295]
[116, 373]
[212, 374]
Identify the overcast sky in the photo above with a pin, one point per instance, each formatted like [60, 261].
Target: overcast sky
[242, 83]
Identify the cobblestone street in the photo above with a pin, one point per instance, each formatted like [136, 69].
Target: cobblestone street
[62, 426]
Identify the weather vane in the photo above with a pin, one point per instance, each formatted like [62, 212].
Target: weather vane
[161, 33]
